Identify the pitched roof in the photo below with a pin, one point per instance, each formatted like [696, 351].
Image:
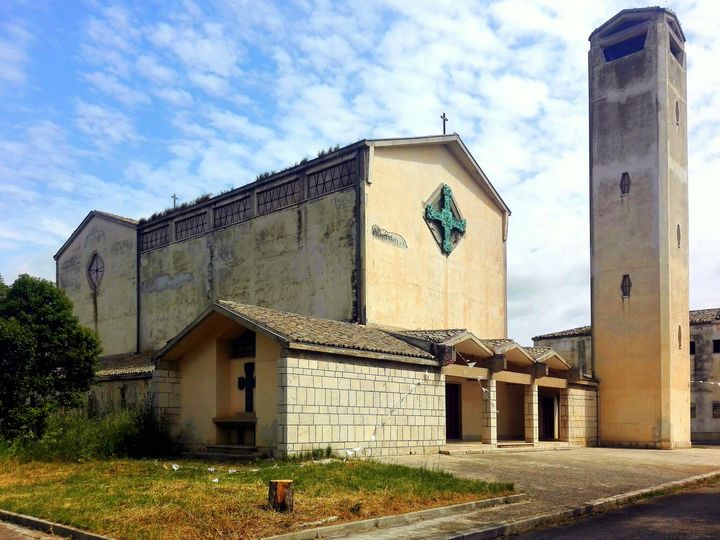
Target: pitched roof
[697, 316]
[572, 332]
[538, 352]
[95, 213]
[305, 332]
[632, 13]
[458, 149]
[433, 336]
[703, 316]
[497, 345]
[311, 330]
[125, 364]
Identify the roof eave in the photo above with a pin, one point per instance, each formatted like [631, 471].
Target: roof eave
[222, 310]
[361, 353]
[453, 138]
[84, 222]
[631, 11]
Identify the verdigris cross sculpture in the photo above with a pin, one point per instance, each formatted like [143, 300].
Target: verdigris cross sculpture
[446, 218]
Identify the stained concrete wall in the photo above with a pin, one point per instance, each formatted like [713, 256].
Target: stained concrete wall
[333, 401]
[418, 286]
[705, 366]
[300, 259]
[116, 394]
[577, 350]
[640, 343]
[113, 312]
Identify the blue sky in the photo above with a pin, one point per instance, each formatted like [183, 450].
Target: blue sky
[117, 106]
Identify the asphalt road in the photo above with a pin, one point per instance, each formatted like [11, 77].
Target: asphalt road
[693, 513]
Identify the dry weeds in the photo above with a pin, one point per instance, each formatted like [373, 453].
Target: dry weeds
[136, 499]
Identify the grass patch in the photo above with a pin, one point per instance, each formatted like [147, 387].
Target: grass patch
[148, 499]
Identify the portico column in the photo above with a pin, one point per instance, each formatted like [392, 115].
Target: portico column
[488, 432]
[531, 413]
[564, 434]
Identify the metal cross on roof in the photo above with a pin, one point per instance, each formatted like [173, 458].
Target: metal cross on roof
[447, 219]
[444, 119]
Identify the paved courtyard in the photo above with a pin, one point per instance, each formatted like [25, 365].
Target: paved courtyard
[554, 480]
[8, 531]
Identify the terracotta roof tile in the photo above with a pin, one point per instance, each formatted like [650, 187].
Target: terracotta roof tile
[497, 345]
[434, 336]
[697, 316]
[572, 332]
[116, 216]
[702, 316]
[538, 352]
[311, 330]
[125, 364]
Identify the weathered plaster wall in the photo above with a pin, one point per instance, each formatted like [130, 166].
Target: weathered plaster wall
[115, 394]
[300, 259]
[577, 350]
[642, 367]
[330, 401]
[705, 366]
[116, 304]
[419, 286]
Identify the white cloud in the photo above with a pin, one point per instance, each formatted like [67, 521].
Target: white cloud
[110, 85]
[176, 97]
[103, 125]
[250, 86]
[149, 66]
[14, 40]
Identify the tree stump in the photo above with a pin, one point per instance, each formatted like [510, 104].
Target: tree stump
[280, 495]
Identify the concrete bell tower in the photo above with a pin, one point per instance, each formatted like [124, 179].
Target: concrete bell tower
[639, 229]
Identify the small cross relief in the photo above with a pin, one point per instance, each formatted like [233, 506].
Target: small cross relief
[444, 219]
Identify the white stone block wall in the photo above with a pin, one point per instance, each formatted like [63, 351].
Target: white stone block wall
[532, 415]
[165, 391]
[325, 400]
[579, 415]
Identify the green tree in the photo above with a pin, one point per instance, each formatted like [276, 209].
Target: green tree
[53, 356]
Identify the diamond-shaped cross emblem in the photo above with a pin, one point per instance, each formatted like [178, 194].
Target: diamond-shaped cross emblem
[446, 218]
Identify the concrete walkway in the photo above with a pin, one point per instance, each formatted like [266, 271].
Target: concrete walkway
[554, 480]
[9, 531]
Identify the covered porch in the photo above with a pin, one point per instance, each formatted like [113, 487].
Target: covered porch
[504, 397]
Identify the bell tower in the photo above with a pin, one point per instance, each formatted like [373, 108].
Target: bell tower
[639, 229]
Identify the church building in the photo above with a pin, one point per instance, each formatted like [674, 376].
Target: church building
[357, 300]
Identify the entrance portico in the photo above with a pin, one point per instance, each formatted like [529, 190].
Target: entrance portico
[508, 394]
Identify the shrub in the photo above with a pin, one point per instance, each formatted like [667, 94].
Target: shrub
[47, 358]
[73, 434]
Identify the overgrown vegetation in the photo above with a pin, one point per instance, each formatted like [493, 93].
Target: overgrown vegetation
[172, 209]
[78, 435]
[317, 453]
[47, 358]
[207, 196]
[150, 499]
